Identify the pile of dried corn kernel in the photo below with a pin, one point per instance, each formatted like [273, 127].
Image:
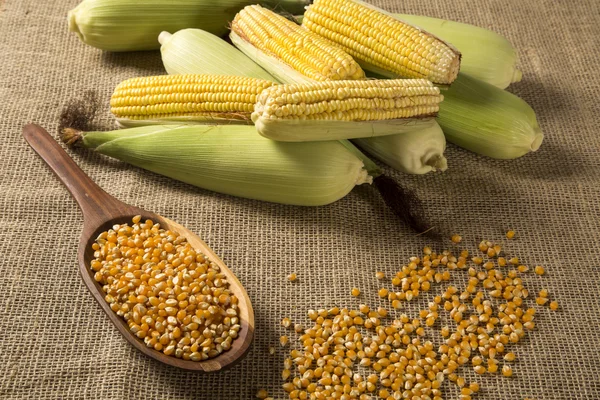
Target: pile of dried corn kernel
[366, 354]
[170, 295]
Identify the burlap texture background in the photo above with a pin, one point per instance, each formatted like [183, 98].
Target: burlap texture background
[55, 343]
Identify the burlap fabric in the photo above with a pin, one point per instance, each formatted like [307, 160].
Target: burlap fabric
[55, 343]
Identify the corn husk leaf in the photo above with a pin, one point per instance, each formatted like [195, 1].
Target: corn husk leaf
[194, 51]
[320, 130]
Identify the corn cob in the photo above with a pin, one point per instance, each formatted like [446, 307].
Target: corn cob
[194, 51]
[129, 25]
[487, 120]
[193, 98]
[283, 48]
[235, 160]
[345, 109]
[382, 43]
[416, 152]
[486, 55]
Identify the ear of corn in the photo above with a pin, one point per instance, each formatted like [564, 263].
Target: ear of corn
[382, 43]
[186, 98]
[345, 109]
[129, 25]
[287, 51]
[235, 160]
[486, 55]
[487, 120]
[194, 51]
[415, 152]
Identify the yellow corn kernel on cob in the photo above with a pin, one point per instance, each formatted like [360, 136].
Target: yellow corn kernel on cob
[188, 98]
[283, 47]
[382, 43]
[345, 109]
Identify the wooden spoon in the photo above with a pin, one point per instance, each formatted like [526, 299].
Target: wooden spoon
[100, 212]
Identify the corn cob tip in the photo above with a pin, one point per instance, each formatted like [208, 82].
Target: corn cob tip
[517, 76]
[163, 37]
[538, 138]
[437, 162]
[70, 136]
[72, 19]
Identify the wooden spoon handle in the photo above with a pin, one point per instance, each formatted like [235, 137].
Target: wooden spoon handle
[94, 202]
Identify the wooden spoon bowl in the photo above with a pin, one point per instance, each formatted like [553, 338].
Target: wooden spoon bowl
[100, 212]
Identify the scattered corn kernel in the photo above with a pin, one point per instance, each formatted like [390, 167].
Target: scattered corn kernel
[538, 269]
[507, 371]
[510, 234]
[355, 292]
[541, 301]
[456, 238]
[262, 394]
[380, 275]
[554, 305]
[283, 340]
[292, 277]
[523, 268]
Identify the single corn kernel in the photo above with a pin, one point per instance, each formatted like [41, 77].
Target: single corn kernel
[456, 238]
[292, 277]
[541, 301]
[286, 322]
[507, 371]
[283, 340]
[554, 305]
[538, 269]
[510, 234]
[523, 268]
[355, 292]
[509, 357]
[262, 394]
[380, 275]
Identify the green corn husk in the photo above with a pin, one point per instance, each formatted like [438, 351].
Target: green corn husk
[486, 55]
[130, 25]
[235, 160]
[194, 51]
[487, 120]
[416, 152]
